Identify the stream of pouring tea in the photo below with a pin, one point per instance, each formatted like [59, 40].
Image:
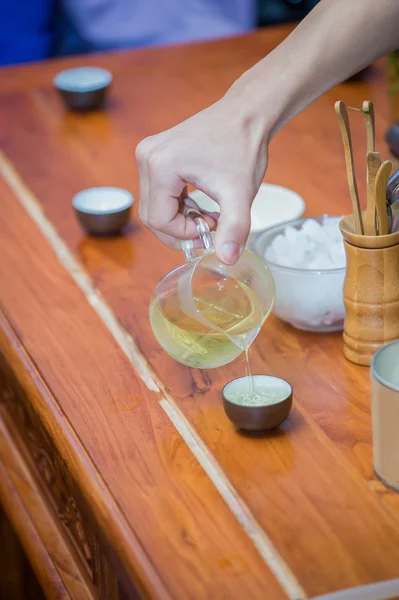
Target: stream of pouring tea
[251, 390]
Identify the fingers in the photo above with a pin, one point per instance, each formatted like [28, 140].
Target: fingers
[210, 217]
[142, 153]
[162, 197]
[167, 192]
[160, 194]
[163, 194]
[233, 227]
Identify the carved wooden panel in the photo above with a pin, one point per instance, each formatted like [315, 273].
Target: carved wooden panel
[17, 580]
[57, 483]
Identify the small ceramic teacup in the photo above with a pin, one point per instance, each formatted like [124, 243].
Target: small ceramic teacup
[259, 407]
[103, 211]
[83, 88]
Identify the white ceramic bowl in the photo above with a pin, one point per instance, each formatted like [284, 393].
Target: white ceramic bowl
[308, 299]
[272, 205]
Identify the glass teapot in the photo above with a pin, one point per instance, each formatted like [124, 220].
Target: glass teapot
[205, 313]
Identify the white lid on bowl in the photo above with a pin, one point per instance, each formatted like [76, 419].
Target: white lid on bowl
[273, 204]
[102, 200]
[82, 79]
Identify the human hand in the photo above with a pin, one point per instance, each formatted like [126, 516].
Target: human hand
[223, 152]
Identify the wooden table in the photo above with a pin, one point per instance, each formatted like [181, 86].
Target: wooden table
[118, 466]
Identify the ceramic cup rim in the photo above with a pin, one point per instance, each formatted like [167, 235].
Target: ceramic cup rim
[261, 406]
[374, 372]
[76, 200]
[68, 87]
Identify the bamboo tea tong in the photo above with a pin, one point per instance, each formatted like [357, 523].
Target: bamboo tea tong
[343, 120]
[373, 164]
[376, 215]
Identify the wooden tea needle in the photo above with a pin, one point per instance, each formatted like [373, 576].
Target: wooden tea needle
[373, 164]
[343, 120]
[381, 183]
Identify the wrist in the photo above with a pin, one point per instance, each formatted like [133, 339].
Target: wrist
[245, 101]
[265, 95]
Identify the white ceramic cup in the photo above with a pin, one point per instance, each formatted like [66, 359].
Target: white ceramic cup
[385, 413]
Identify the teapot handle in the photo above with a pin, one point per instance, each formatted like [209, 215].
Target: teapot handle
[203, 230]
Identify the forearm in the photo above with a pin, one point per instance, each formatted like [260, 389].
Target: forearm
[337, 39]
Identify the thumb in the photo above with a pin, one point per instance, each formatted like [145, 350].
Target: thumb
[233, 228]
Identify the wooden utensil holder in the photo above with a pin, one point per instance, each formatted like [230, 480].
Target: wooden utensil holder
[371, 295]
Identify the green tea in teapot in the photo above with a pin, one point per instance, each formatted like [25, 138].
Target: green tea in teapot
[205, 313]
[235, 315]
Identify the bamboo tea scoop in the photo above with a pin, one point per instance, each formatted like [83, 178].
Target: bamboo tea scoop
[373, 164]
[343, 120]
[381, 183]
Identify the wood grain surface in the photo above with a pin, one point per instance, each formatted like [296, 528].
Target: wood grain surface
[172, 511]
[298, 512]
